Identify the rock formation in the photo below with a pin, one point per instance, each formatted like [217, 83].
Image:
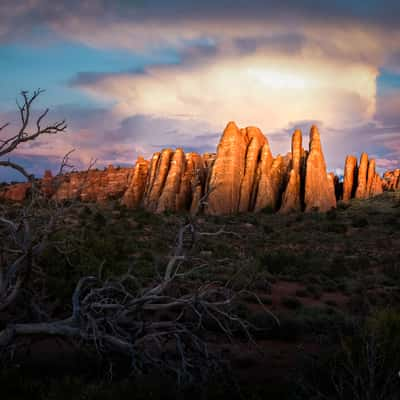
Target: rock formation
[255, 141]
[391, 180]
[158, 174]
[47, 185]
[331, 188]
[227, 172]
[171, 188]
[292, 196]
[362, 182]
[376, 187]
[16, 192]
[263, 193]
[242, 176]
[93, 185]
[318, 194]
[361, 191]
[133, 195]
[370, 177]
[350, 178]
[192, 183]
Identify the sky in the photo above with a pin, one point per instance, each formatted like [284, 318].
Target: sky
[134, 76]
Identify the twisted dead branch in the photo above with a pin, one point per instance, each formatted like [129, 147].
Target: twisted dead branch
[24, 134]
[116, 315]
[27, 229]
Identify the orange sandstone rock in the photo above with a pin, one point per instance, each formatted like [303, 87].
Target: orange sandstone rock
[192, 183]
[158, 174]
[133, 195]
[350, 178]
[361, 191]
[17, 192]
[227, 173]
[47, 186]
[171, 187]
[370, 177]
[318, 189]
[270, 186]
[391, 180]
[377, 187]
[262, 191]
[256, 141]
[291, 201]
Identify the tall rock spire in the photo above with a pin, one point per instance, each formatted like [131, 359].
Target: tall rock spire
[171, 188]
[158, 174]
[261, 191]
[318, 193]
[227, 172]
[361, 192]
[291, 200]
[133, 195]
[350, 178]
[370, 177]
[255, 140]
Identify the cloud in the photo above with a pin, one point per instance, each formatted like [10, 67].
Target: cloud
[96, 133]
[262, 63]
[261, 90]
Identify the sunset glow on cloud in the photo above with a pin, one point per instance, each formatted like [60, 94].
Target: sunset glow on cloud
[136, 76]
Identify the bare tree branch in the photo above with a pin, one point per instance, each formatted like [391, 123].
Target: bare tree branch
[19, 168]
[22, 136]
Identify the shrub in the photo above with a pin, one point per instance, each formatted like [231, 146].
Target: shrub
[359, 222]
[291, 302]
[337, 228]
[367, 363]
[268, 210]
[302, 293]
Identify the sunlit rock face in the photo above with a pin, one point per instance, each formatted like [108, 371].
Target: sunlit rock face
[193, 182]
[363, 181]
[133, 195]
[318, 194]
[158, 175]
[16, 193]
[171, 187]
[255, 140]
[227, 172]
[292, 200]
[94, 185]
[391, 180]
[377, 186]
[264, 194]
[350, 178]
[47, 184]
[242, 176]
[361, 191]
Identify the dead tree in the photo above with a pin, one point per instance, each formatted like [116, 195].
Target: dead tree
[25, 133]
[119, 315]
[28, 228]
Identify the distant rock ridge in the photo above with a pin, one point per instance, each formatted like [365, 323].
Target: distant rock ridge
[242, 176]
[361, 181]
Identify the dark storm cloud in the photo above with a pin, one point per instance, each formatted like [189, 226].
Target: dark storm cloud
[21, 17]
[158, 132]
[284, 43]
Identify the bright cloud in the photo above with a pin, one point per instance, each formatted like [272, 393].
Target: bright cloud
[258, 62]
[250, 90]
